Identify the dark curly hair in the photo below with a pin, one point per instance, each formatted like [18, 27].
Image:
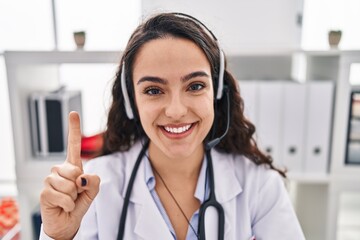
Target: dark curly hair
[122, 133]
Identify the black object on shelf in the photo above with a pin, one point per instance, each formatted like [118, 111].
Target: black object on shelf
[49, 118]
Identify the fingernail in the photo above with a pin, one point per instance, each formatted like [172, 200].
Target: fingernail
[83, 182]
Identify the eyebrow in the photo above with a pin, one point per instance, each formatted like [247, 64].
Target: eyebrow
[194, 75]
[164, 81]
[152, 79]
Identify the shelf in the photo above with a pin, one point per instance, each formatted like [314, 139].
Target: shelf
[8, 189]
[330, 52]
[309, 178]
[59, 57]
[264, 53]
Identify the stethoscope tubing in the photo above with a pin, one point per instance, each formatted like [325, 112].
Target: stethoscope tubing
[129, 190]
[211, 202]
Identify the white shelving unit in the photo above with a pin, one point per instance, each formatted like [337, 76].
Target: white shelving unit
[344, 178]
[318, 202]
[29, 71]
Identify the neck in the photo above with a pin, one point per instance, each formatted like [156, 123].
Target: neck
[176, 167]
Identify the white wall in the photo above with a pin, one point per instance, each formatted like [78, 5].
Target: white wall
[108, 23]
[320, 16]
[7, 167]
[242, 25]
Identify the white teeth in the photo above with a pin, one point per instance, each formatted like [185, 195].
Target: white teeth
[177, 130]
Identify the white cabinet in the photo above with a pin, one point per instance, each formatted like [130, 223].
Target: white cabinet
[269, 122]
[294, 123]
[318, 127]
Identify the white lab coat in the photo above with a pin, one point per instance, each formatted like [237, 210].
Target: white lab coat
[254, 198]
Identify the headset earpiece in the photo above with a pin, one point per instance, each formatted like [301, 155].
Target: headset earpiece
[128, 109]
[221, 73]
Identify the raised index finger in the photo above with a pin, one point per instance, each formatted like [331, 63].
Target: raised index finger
[74, 140]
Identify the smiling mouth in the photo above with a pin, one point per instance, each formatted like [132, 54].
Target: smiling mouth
[178, 130]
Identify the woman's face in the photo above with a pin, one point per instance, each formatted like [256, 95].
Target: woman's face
[174, 95]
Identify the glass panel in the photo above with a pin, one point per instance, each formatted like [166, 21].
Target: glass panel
[348, 227]
[353, 139]
[95, 83]
[107, 23]
[26, 25]
[355, 74]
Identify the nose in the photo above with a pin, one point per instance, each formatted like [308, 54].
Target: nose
[176, 107]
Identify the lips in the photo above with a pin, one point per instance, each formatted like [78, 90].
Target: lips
[177, 129]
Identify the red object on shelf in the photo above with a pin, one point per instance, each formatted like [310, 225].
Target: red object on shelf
[92, 146]
[9, 215]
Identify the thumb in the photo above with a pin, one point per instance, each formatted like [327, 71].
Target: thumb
[88, 186]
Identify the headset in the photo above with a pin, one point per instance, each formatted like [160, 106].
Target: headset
[211, 202]
[219, 93]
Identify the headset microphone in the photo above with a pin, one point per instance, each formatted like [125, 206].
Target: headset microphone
[215, 141]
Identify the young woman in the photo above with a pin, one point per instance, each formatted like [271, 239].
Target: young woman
[179, 159]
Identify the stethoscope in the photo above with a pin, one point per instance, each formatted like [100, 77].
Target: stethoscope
[211, 202]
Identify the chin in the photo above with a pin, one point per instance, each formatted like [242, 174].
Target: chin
[184, 151]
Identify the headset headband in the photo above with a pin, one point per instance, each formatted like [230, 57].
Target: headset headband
[128, 109]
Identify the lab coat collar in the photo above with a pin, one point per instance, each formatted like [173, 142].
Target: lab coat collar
[150, 224]
[227, 185]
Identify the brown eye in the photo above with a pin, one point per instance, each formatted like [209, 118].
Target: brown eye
[152, 91]
[196, 87]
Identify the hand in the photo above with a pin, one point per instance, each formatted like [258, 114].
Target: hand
[68, 192]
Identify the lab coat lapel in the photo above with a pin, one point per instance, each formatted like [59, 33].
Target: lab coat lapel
[148, 223]
[227, 186]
